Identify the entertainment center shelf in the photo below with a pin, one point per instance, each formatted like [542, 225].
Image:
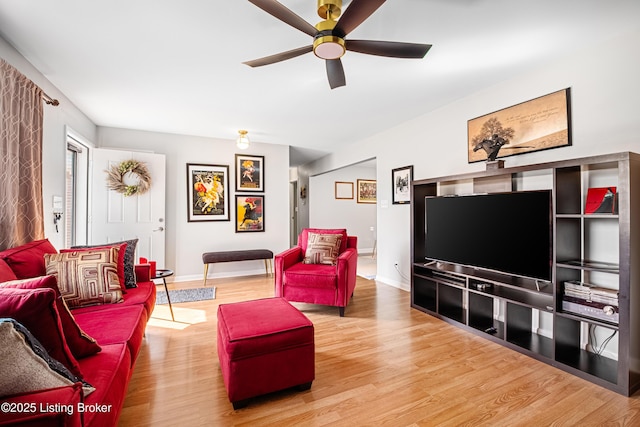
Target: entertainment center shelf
[598, 253]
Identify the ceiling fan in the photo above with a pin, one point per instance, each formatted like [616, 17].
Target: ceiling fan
[329, 36]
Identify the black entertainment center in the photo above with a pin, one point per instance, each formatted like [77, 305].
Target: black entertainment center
[513, 255]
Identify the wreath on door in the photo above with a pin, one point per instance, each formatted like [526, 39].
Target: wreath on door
[116, 175]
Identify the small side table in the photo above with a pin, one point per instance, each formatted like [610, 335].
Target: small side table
[163, 274]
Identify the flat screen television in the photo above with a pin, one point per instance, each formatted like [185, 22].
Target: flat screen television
[508, 233]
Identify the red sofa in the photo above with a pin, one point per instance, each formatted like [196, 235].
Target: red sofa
[322, 282]
[117, 328]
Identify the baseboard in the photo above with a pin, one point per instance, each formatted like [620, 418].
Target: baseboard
[213, 276]
[394, 283]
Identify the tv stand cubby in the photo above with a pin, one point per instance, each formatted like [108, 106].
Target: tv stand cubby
[527, 315]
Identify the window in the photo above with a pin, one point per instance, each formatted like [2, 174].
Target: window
[76, 176]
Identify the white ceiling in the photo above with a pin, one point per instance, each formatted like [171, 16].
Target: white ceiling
[176, 66]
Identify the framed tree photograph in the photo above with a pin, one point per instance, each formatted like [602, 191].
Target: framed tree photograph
[249, 213]
[344, 190]
[367, 191]
[539, 124]
[249, 173]
[207, 192]
[400, 183]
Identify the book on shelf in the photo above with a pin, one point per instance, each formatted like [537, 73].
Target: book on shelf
[601, 200]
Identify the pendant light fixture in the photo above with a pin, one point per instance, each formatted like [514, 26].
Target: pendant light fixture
[243, 140]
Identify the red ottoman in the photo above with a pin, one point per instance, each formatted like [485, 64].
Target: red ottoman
[264, 346]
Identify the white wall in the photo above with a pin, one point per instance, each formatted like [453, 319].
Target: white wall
[325, 211]
[186, 241]
[56, 121]
[605, 101]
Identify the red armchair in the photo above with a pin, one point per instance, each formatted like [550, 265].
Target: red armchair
[318, 283]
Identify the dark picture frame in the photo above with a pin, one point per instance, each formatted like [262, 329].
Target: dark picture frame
[367, 191]
[249, 173]
[401, 184]
[249, 213]
[207, 192]
[539, 124]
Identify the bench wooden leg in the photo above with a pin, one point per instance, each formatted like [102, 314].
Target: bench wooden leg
[206, 270]
[268, 267]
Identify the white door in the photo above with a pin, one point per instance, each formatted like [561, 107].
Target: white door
[115, 217]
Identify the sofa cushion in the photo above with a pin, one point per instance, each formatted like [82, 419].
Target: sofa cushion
[6, 273]
[144, 294]
[28, 260]
[322, 248]
[129, 260]
[311, 276]
[118, 324]
[80, 344]
[59, 398]
[86, 277]
[36, 310]
[26, 365]
[109, 372]
[122, 247]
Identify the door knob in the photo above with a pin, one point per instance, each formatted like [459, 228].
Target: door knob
[159, 229]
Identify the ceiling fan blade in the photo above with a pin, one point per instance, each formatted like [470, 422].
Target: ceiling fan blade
[391, 49]
[282, 56]
[356, 13]
[284, 14]
[335, 73]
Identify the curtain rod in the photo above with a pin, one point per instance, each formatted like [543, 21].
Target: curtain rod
[49, 100]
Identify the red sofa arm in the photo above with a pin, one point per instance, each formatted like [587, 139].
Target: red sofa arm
[352, 242]
[50, 407]
[347, 266]
[143, 273]
[283, 261]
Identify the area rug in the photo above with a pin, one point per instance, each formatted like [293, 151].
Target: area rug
[185, 295]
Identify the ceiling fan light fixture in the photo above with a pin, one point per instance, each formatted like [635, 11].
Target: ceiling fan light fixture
[329, 47]
[243, 140]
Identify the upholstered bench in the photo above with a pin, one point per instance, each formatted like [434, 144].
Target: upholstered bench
[264, 345]
[242, 255]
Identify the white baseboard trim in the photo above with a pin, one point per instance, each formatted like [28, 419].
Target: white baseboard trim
[365, 251]
[394, 283]
[213, 276]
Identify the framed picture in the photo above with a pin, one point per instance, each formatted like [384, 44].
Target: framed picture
[249, 213]
[344, 190]
[207, 192]
[401, 183]
[367, 191]
[249, 173]
[539, 124]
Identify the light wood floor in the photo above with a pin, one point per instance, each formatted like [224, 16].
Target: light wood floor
[382, 364]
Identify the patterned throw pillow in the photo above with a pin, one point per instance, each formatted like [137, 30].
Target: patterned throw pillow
[26, 365]
[322, 248]
[86, 277]
[129, 259]
[122, 247]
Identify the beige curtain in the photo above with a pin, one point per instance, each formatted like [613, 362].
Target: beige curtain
[21, 113]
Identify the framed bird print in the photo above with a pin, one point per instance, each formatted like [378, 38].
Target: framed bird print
[249, 213]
